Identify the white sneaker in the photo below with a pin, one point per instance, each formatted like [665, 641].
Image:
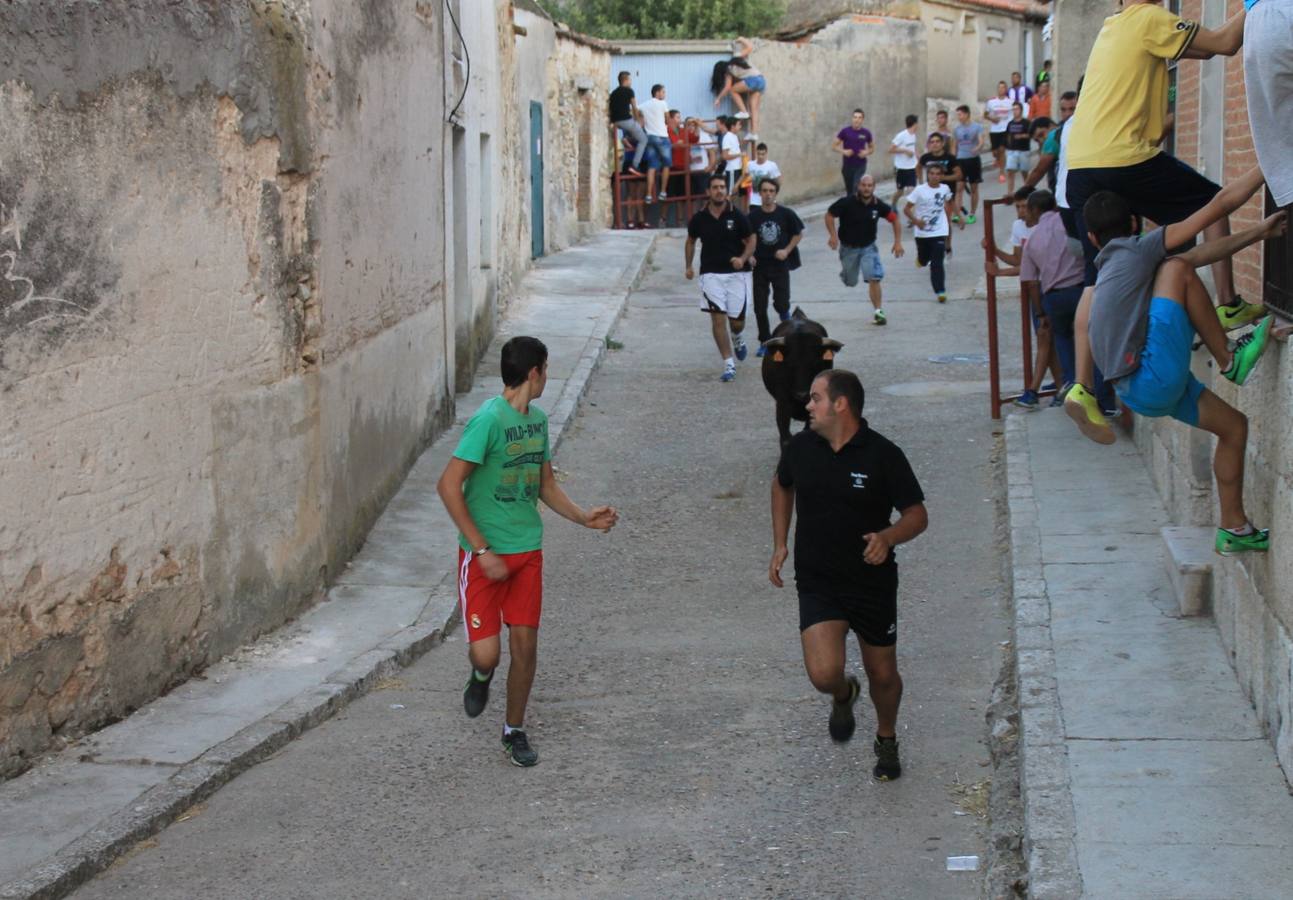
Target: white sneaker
[743, 115]
[751, 137]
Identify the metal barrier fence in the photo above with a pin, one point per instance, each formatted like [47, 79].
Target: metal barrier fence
[685, 192]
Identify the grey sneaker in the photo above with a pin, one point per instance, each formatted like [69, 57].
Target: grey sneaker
[842, 722]
[517, 747]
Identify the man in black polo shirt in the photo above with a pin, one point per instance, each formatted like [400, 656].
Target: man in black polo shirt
[844, 481]
[859, 215]
[726, 245]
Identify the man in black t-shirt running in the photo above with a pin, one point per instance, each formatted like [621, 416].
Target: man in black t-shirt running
[777, 232]
[859, 216]
[844, 482]
[726, 246]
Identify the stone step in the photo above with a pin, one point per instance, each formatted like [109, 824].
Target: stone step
[1190, 559]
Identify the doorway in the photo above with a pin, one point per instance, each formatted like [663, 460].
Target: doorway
[536, 179]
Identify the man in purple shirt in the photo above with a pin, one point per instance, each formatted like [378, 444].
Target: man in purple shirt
[855, 144]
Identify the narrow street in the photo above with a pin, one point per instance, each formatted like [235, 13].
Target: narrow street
[683, 751]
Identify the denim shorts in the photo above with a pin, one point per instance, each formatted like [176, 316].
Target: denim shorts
[1162, 384]
[864, 259]
[659, 152]
[755, 83]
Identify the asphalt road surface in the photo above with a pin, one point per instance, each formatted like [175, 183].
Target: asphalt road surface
[683, 751]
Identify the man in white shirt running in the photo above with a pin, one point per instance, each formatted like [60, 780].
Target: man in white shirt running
[903, 150]
[929, 209]
[997, 113]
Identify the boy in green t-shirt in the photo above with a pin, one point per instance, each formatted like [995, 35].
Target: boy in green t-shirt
[491, 488]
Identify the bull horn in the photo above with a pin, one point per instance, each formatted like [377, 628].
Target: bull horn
[775, 343]
[832, 344]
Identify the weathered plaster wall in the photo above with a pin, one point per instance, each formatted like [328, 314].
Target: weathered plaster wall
[222, 328]
[972, 48]
[876, 63]
[1076, 24]
[567, 75]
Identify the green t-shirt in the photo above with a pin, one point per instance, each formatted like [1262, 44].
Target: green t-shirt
[509, 450]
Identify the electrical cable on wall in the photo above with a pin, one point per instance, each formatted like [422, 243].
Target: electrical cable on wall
[466, 54]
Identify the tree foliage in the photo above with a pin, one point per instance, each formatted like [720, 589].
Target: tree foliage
[675, 19]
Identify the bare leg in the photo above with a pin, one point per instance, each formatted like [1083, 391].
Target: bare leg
[1177, 281]
[824, 657]
[1083, 362]
[523, 642]
[1223, 270]
[738, 89]
[718, 323]
[483, 654]
[974, 199]
[755, 98]
[650, 190]
[1231, 428]
[873, 288]
[1010, 182]
[664, 180]
[885, 685]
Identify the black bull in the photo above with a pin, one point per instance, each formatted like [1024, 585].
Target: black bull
[798, 352]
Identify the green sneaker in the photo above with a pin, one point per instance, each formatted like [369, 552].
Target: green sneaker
[517, 747]
[1229, 544]
[887, 766]
[1248, 349]
[1240, 314]
[879, 317]
[971, 219]
[1082, 407]
[842, 722]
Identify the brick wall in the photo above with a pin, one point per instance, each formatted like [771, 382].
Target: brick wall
[1240, 157]
[1187, 96]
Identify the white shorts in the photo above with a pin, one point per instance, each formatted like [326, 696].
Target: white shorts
[728, 292]
[1017, 161]
[1268, 76]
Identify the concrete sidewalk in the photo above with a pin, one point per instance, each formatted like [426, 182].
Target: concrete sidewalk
[75, 812]
[1144, 770]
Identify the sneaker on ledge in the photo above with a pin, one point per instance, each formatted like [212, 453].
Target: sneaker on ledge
[1229, 543]
[1240, 314]
[1248, 349]
[1027, 400]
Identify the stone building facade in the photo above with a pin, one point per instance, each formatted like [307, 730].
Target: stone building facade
[250, 252]
[1252, 597]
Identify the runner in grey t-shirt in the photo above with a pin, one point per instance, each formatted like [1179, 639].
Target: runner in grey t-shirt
[969, 137]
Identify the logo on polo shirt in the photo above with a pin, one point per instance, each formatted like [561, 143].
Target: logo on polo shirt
[859, 479]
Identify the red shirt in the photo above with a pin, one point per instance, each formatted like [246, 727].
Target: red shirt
[1039, 106]
[681, 157]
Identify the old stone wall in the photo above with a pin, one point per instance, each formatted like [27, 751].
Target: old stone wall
[222, 327]
[1076, 23]
[566, 74]
[813, 86]
[972, 46]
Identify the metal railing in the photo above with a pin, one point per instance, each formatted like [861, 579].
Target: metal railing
[628, 192]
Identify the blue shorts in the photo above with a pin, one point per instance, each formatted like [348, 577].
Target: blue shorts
[864, 259]
[755, 83]
[1162, 384]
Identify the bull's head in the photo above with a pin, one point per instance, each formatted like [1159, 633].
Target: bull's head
[801, 357]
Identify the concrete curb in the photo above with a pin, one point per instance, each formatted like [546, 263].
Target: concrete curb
[1050, 849]
[192, 783]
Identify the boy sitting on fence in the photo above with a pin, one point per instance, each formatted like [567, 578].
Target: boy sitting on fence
[1146, 310]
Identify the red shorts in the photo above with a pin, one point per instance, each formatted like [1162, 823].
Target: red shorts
[486, 604]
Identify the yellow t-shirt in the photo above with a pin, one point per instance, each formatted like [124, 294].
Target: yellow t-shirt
[1124, 97]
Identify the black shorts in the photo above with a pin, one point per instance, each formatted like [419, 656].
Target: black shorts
[906, 178]
[971, 170]
[1161, 188]
[1070, 223]
[873, 613]
[998, 139]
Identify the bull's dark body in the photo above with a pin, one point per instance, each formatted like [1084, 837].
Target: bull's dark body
[806, 352]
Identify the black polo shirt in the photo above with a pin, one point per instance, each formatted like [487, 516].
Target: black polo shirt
[858, 220]
[838, 498]
[721, 238]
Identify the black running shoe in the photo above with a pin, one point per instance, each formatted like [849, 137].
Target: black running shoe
[887, 767]
[476, 694]
[842, 722]
[517, 747]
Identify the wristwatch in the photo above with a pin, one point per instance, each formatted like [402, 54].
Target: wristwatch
[480, 551]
